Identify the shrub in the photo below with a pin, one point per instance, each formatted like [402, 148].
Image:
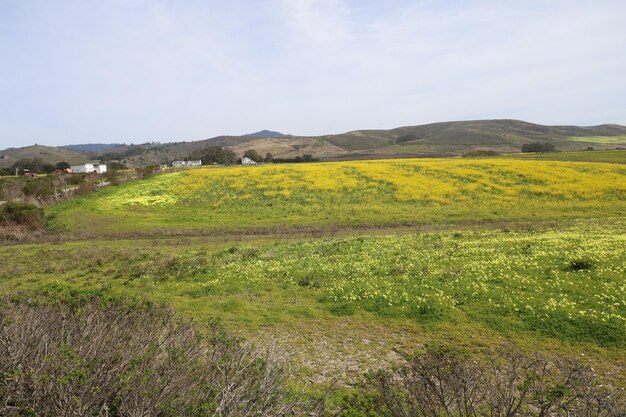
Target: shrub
[579, 265]
[146, 171]
[38, 188]
[23, 214]
[96, 356]
[86, 188]
[445, 381]
[538, 147]
[308, 281]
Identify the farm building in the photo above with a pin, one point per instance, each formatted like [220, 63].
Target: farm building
[247, 161]
[179, 164]
[89, 168]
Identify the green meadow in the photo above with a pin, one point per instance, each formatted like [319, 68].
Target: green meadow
[342, 263]
[613, 156]
[598, 139]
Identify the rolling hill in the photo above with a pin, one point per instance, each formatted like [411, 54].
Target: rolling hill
[50, 154]
[435, 139]
[91, 147]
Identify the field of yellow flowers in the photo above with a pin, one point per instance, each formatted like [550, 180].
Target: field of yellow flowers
[391, 192]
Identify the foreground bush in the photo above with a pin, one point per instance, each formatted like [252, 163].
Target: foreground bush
[445, 382]
[23, 214]
[92, 358]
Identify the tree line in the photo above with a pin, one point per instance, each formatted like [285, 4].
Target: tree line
[37, 165]
[224, 156]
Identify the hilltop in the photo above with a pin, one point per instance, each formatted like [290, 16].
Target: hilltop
[435, 139]
[267, 134]
[91, 147]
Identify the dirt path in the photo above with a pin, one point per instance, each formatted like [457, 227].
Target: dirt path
[294, 232]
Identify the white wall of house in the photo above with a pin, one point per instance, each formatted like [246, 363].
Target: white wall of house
[178, 164]
[247, 161]
[83, 168]
[89, 168]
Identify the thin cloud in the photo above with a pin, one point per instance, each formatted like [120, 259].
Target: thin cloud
[162, 70]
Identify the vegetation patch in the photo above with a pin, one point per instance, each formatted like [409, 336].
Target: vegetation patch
[445, 381]
[95, 356]
[350, 193]
[23, 214]
[511, 282]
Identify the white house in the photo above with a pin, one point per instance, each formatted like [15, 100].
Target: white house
[179, 164]
[89, 168]
[247, 161]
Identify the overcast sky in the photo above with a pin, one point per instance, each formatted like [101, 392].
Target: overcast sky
[144, 70]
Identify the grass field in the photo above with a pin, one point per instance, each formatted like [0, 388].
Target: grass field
[599, 139]
[558, 289]
[612, 156]
[489, 251]
[392, 192]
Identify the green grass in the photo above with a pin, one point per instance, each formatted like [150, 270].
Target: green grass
[362, 193]
[613, 156]
[560, 290]
[599, 139]
[343, 303]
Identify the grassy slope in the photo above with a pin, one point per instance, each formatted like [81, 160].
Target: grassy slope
[612, 156]
[342, 304]
[351, 193]
[47, 153]
[435, 138]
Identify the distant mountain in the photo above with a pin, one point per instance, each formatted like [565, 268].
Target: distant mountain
[266, 134]
[49, 154]
[434, 139]
[91, 147]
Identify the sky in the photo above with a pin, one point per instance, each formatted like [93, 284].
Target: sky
[133, 71]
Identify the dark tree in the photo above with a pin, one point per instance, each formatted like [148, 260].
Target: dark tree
[214, 155]
[269, 158]
[62, 165]
[116, 166]
[34, 165]
[538, 147]
[254, 155]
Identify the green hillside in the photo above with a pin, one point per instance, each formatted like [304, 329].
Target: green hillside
[435, 139]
